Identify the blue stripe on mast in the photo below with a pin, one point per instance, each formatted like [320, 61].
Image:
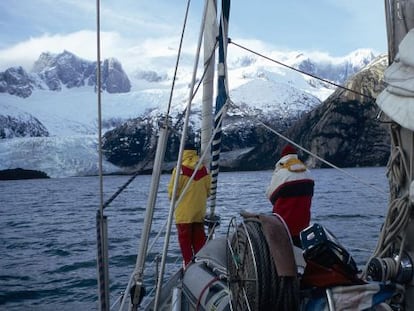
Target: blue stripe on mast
[221, 99]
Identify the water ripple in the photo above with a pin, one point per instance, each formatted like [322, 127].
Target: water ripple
[48, 233]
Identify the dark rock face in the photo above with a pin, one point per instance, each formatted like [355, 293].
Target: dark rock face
[150, 76]
[243, 147]
[129, 144]
[28, 126]
[251, 146]
[16, 81]
[338, 73]
[133, 144]
[19, 173]
[62, 69]
[345, 129]
[54, 72]
[114, 79]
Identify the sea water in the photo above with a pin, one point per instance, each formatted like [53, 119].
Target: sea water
[48, 229]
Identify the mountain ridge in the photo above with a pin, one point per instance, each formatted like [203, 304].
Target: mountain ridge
[270, 91]
[55, 71]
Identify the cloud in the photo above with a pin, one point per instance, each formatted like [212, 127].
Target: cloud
[144, 53]
[146, 35]
[70, 25]
[26, 52]
[81, 43]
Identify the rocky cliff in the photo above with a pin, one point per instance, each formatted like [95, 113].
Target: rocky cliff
[56, 71]
[286, 101]
[16, 123]
[345, 130]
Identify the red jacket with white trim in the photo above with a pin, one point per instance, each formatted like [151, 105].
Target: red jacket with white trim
[290, 192]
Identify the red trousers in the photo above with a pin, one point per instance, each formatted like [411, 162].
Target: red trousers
[191, 238]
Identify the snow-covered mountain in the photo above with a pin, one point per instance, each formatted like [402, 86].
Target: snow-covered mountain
[18, 123]
[338, 70]
[57, 101]
[64, 70]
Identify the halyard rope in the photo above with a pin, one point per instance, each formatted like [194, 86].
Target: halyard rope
[399, 210]
[246, 114]
[301, 71]
[398, 205]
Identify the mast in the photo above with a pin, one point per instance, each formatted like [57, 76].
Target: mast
[137, 290]
[101, 219]
[221, 100]
[399, 15]
[397, 103]
[179, 160]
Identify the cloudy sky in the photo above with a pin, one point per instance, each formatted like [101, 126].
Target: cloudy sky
[140, 28]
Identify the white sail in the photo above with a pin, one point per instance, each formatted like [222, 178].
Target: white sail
[397, 100]
[210, 35]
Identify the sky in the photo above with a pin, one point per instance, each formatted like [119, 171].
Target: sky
[132, 30]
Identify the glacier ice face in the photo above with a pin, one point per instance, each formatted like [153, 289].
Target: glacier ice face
[56, 156]
[58, 130]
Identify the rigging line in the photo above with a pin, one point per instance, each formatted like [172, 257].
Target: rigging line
[101, 220]
[208, 62]
[220, 103]
[131, 179]
[304, 149]
[201, 159]
[151, 154]
[183, 191]
[99, 86]
[199, 163]
[180, 156]
[300, 71]
[178, 57]
[122, 188]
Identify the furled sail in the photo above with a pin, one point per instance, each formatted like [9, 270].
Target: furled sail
[210, 39]
[397, 100]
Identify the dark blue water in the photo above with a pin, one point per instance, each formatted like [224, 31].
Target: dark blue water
[48, 230]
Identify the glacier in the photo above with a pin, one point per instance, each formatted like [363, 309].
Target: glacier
[70, 116]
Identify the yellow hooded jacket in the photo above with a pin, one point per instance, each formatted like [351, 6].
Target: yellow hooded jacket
[192, 207]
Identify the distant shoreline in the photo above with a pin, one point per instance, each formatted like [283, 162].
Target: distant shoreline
[19, 173]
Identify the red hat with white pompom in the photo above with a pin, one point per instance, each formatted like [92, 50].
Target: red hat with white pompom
[288, 149]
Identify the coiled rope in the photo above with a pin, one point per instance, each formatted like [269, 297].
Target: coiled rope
[253, 278]
[398, 215]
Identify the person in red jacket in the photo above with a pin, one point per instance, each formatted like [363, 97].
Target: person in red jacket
[191, 210]
[290, 192]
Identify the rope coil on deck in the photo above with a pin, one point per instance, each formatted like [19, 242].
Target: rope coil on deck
[393, 233]
[253, 278]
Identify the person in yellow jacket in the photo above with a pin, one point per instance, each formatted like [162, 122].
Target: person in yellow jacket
[191, 210]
